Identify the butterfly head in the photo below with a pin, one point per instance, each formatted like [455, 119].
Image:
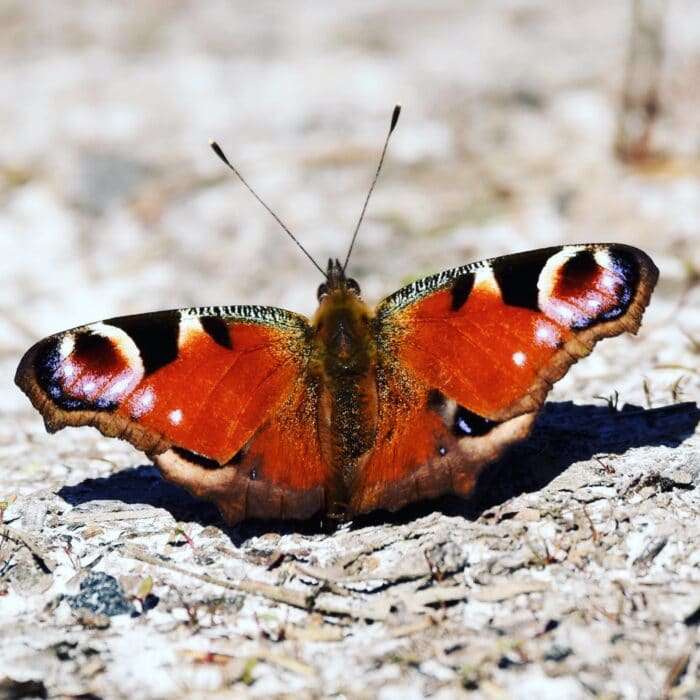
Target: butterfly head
[336, 281]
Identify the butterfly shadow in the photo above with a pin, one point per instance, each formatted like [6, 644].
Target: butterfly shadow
[144, 486]
[564, 433]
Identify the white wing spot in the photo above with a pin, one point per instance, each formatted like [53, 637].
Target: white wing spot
[519, 358]
[485, 280]
[121, 386]
[175, 417]
[66, 346]
[546, 334]
[562, 311]
[146, 399]
[604, 259]
[142, 402]
[189, 328]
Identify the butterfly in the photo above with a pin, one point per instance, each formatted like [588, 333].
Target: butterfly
[269, 414]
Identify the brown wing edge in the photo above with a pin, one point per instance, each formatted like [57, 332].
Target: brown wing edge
[584, 341]
[219, 484]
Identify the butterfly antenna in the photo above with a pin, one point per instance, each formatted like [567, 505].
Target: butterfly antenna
[392, 126]
[217, 149]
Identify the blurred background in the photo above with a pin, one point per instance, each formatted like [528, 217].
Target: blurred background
[526, 123]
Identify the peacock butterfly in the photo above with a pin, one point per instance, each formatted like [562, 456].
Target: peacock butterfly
[272, 415]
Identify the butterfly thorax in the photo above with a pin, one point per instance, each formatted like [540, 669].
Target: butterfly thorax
[342, 336]
[344, 365]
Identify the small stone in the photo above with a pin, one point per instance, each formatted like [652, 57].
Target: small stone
[34, 516]
[446, 558]
[102, 594]
[26, 578]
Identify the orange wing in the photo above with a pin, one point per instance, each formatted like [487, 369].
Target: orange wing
[203, 391]
[475, 350]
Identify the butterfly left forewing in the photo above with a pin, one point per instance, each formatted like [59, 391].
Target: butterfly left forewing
[478, 348]
[199, 390]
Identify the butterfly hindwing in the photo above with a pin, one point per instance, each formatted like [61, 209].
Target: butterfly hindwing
[279, 473]
[477, 349]
[202, 391]
[426, 445]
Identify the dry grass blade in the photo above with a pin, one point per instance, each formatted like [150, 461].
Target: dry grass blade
[278, 594]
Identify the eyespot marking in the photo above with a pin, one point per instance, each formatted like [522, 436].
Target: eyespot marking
[581, 286]
[466, 423]
[69, 371]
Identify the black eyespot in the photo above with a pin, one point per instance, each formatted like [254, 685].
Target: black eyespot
[352, 285]
[468, 423]
[323, 290]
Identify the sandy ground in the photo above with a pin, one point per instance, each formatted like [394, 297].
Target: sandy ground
[575, 572]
